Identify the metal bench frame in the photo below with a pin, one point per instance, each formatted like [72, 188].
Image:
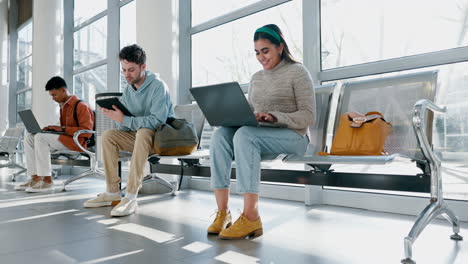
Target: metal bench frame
[9, 143]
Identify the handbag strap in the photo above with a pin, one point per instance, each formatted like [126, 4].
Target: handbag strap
[358, 119]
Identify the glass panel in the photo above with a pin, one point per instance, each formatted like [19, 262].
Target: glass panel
[123, 82]
[24, 74]
[203, 10]
[128, 24]
[25, 41]
[90, 43]
[351, 34]
[89, 83]
[226, 53]
[85, 9]
[23, 101]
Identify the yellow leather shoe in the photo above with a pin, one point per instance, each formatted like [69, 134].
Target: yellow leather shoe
[223, 220]
[243, 228]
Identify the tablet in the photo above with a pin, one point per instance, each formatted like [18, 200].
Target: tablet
[109, 102]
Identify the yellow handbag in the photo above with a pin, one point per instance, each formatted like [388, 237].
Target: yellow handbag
[359, 134]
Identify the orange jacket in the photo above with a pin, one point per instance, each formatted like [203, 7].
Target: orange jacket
[85, 117]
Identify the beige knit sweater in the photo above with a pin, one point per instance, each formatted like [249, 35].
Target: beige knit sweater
[285, 92]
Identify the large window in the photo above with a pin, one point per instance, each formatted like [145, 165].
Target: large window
[96, 41]
[90, 44]
[204, 10]
[361, 31]
[86, 9]
[24, 68]
[226, 52]
[90, 49]
[351, 35]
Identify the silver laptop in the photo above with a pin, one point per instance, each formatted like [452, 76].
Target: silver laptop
[225, 105]
[30, 122]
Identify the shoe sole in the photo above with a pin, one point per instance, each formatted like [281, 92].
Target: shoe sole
[21, 188]
[38, 190]
[255, 233]
[122, 214]
[95, 205]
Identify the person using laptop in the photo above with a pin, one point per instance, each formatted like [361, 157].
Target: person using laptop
[75, 115]
[280, 93]
[147, 99]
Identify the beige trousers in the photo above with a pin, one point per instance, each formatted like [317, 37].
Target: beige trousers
[140, 143]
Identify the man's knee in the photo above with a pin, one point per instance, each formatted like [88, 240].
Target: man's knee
[40, 138]
[145, 134]
[109, 135]
[29, 139]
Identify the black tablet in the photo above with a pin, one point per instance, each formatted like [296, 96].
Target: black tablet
[109, 102]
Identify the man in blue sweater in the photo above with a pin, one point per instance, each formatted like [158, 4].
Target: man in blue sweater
[147, 98]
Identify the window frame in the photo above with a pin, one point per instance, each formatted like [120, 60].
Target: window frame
[112, 46]
[18, 61]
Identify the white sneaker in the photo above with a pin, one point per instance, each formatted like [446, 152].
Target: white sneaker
[25, 185]
[40, 186]
[103, 199]
[125, 207]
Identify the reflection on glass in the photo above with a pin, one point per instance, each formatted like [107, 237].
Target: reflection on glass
[24, 74]
[203, 10]
[226, 53]
[90, 43]
[89, 83]
[25, 41]
[23, 100]
[351, 34]
[128, 24]
[85, 9]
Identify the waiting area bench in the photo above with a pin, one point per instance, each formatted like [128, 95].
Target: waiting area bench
[406, 101]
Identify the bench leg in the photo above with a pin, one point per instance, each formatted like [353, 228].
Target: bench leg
[16, 174]
[86, 173]
[432, 211]
[152, 177]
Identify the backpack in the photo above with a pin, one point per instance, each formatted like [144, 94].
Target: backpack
[91, 141]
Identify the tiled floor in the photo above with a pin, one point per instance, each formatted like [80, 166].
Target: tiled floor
[54, 228]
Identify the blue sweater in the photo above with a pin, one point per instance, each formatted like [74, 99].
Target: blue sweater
[150, 104]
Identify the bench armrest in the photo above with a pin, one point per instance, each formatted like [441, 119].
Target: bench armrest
[419, 125]
[75, 139]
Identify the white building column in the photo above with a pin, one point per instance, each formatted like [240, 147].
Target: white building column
[157, 25]
[47, 57]
[3, 65]
[157, 33]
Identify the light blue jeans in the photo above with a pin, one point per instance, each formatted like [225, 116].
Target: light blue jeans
[249, 145]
